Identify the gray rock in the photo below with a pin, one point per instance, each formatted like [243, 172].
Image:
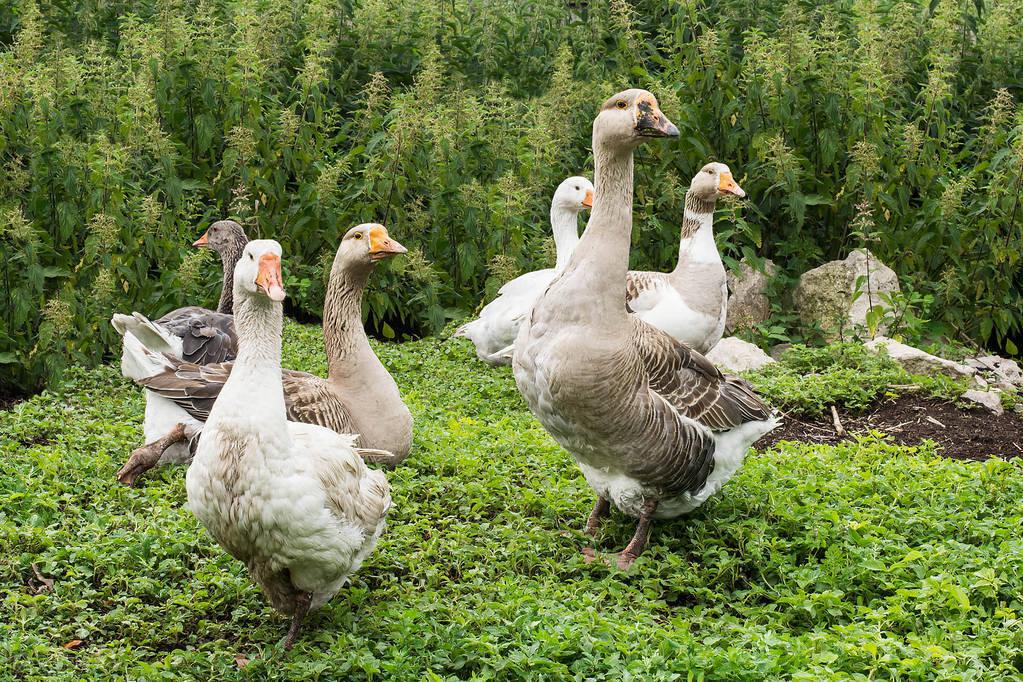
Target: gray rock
[778, 350]
[992, 400]
[824, 295]
[917, 361]
[1001, 371]
[736, 355]
[748, 304]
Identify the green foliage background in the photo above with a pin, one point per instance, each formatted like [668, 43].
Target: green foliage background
[126, 127]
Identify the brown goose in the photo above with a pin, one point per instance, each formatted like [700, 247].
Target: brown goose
[358, 396]
[690, 302]
[655, 428]
[192, 333]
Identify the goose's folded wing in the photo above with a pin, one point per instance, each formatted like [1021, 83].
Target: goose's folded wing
[641, 290]
[207, 337]
[194, 388]
[309, 399]
[354, 492]
[692, 385]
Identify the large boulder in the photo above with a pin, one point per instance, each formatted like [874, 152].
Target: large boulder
[917, 361]
[736, 355]
[824, 295]
[748, 304]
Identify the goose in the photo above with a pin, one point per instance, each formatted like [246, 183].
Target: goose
[655, 428]
[498, 323]
[358, 396]
[293, 501]
[192, 333]
[690, 302]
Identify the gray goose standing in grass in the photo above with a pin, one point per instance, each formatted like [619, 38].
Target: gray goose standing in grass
[293, 501]
[654, 426]
[192, 333]
[690, 303]
[358, 396]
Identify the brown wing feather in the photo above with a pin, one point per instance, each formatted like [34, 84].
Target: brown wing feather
[691, 384]
[194, 388]
[309, 399]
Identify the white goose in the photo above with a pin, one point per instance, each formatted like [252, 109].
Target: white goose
[655, 428]
[494, 331]
[691, 302]
[293, 501]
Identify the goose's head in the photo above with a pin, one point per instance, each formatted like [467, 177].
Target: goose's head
[223, 237]
[258, 271]
[715, 180]
[574, 194]
[631, 117]
[366, 244]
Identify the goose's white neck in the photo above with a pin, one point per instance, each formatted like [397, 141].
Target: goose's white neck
[597, 268]
[696, 243]
[253, 395]
[564, 225]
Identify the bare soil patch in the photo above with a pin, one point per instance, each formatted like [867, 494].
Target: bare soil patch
[973, 434]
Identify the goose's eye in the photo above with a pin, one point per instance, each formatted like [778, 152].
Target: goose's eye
[709, 172]
[620, 104]
[577, 188]
[357, 235]
[250, 257]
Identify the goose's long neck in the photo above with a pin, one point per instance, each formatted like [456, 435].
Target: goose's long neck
[601, 259]
[253, 395]
[344, 336]
[228, 259]
[564, 225]
[696, 244]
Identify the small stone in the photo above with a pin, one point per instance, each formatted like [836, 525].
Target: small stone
[916, 361]
[992, 400]
[1002, 371]
[778, 350]
[735, 355]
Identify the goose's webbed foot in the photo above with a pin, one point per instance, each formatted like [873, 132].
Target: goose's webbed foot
[145, 458]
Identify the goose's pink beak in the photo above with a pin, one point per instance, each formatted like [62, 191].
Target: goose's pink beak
[269, 277]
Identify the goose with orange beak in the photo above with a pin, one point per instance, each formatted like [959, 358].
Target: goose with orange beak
[690, 303]
[294, 502]
[494, 331]
[359, 396]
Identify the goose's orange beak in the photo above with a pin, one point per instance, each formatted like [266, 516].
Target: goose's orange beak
[204, 240]
[588, 199]
[269, 277]
[381, 245]
[728, 185]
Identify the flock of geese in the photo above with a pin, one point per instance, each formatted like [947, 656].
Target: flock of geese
[277, 458]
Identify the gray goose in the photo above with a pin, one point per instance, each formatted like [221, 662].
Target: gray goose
[359, 396]
[654, 426]
[193, 333]
[690, 303]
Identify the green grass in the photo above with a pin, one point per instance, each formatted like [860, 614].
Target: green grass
[863, 561]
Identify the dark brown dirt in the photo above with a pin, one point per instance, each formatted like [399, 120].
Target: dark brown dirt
[960, 434]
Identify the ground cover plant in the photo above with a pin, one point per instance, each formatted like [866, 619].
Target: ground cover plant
[125, 128]
[864, 560]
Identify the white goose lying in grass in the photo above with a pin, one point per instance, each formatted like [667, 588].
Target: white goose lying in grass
[655, 428]
[359, 395]
[690, 303]
[192, 333]
[494, 331]
[294, 502]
